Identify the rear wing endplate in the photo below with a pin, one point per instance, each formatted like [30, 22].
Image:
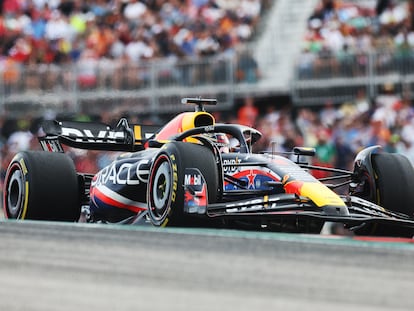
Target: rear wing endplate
[95, 136]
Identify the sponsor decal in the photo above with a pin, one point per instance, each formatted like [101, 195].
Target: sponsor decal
[51, 145]
[258, 204]
[252, 205]
[227, 165]
[124, 174]
[81, 135]
[175, 178]
[23, 165]
[192, 179]
[195, 195]
[26, 200]
[209, 128]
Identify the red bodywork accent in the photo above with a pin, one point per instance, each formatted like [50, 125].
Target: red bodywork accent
[199, 198]
[95, 192]
[173, 127]
[293, 187]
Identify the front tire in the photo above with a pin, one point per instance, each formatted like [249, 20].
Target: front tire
[394, 180]
[41, 186]
[165, 192]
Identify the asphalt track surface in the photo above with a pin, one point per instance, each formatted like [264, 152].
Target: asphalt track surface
[53, 266]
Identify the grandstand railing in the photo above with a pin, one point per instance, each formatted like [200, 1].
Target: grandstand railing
[340, 79]
[156, 87]
[150, 87]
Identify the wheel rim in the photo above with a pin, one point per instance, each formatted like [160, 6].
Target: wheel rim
[16, 192]
[160, 192]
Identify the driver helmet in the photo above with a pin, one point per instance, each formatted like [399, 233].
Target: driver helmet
[221, 141]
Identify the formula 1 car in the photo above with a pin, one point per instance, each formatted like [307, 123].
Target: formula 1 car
[196, 172]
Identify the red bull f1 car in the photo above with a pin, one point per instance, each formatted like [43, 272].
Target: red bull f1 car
[196, 172]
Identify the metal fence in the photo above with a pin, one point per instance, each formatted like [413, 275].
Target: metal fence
[340, 79]
[91, 86]
[156, 87]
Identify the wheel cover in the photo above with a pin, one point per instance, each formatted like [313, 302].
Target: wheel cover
[15, 197]
[160, 189]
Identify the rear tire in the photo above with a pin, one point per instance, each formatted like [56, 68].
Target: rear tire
[41, 186]
[165, 192]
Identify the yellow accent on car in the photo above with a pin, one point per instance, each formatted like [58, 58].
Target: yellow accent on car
[265, 201]
[23, 165]
[189, 120]
[26, 199]
[164, 224]
[320, 194]
[137, 132]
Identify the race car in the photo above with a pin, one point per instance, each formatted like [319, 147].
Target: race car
[198, 173]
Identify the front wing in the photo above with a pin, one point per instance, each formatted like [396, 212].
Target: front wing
[357, 213]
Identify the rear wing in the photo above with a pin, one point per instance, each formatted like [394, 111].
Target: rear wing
[95, 136]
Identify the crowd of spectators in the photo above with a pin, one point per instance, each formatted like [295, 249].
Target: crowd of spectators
[342, 34]
[340, 40]
[108, 34]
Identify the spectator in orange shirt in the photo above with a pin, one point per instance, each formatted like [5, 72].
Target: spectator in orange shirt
[248, 113]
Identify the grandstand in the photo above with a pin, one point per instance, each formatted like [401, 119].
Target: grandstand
[372, 54]
[270, 63]
[260, 67]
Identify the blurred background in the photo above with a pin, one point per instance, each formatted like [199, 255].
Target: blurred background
[330, 74]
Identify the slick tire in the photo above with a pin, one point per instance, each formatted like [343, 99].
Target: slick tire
[41, 186]
[165, 192]
[394, 179]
